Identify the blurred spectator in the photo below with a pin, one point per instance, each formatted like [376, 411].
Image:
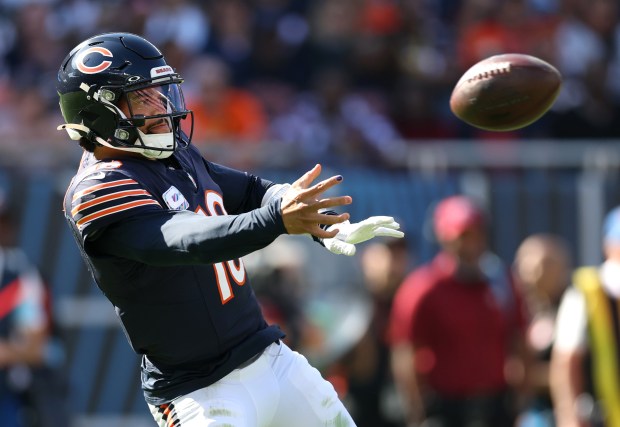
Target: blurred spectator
[8, 41]
[181, 22]
[314, 307]
[280, 43]
[281, 287]
[428, 69]
[543, 267]
[31, 393]
[457, 329]
[71, 30]
[487, 28]
[585, 368]
[588, 105]
[589, 31]
[366, 383]
[35, 57]
[588, 111]
[31, 106]
[338, 126]
[232, 37]
[28, 125]
[418, 112]
[223, 113]
[181, 28]
[374, 58]
[334, 26]
[490, 28]
[401, 60]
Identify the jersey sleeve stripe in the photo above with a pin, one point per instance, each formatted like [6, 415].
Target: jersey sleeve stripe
[101, 186]
[115, 209]
[107, 198]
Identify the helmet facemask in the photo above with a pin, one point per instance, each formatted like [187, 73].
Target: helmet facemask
[144, 117]
[150, 118]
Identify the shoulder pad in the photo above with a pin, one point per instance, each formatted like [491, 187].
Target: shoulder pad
[102, 194]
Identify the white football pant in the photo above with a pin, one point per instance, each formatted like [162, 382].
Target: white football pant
[279, 389]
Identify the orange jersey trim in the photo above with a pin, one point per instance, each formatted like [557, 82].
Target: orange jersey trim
[115, 209]
[104, 185]
[108, 197]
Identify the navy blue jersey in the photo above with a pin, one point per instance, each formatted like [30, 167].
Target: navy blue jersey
[162, 240]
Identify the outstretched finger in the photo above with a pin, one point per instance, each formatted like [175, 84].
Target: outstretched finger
[307, 178]
[379, 220]
[389, 232]
[319, 188]
[327, 219]
[393, 225]
[332, 202]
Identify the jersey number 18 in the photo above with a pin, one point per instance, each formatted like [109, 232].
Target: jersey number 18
[228, 270]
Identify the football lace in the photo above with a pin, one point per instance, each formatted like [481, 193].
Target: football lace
[497, 69]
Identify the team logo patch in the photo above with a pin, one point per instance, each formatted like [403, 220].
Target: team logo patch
[80, 60]
[175, 200]
[161, 71]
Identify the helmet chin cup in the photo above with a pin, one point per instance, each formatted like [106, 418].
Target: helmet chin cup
[153, 141]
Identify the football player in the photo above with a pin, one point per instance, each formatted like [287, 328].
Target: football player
[162, 231]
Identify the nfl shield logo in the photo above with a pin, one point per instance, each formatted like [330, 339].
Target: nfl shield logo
[175, 200]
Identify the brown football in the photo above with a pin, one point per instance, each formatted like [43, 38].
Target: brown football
[505, 92]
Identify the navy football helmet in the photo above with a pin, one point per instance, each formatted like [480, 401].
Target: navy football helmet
[117, 90]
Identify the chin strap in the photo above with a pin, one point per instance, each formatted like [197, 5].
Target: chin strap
[76, 132]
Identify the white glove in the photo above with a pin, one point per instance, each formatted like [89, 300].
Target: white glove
[351, 234]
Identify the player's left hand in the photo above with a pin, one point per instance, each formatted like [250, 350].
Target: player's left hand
[351, 234]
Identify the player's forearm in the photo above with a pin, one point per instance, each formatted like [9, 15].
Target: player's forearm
[231, 237]
[187, 238]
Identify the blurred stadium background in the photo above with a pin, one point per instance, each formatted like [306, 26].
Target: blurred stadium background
[361, 86]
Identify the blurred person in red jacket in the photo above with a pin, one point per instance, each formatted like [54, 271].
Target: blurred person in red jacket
[457, 329]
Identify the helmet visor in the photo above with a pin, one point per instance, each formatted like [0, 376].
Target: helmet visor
[154, 109]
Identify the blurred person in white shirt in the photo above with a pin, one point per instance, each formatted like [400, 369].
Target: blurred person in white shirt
[585, 384]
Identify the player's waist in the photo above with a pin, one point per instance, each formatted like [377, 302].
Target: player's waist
[163, 383]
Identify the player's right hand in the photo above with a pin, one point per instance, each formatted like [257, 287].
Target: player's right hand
[352, 234]
[301, 205]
